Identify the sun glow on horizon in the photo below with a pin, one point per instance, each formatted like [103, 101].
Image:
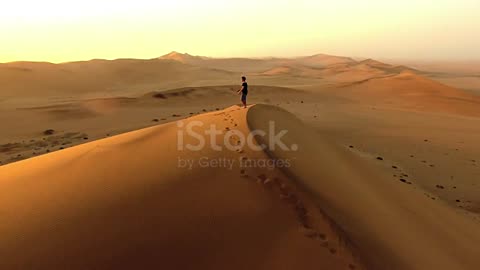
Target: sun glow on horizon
[60, 31]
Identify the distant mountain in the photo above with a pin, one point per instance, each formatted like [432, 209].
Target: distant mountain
[322, 60]
[246, 65]
[182, 57]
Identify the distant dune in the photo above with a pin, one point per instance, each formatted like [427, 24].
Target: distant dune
[115, 77]
[322, 60]
[108, 78]
[456, 73]
[415, 92]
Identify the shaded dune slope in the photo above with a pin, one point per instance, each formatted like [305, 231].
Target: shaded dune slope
[393, 225]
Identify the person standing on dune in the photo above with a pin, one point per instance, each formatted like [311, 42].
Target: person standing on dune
[244, 91]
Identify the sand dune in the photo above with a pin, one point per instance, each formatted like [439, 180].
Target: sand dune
[409, 90]
[335, 69]
[322, 60]
[458, 74]
[124, 203]
[34, 83]
[278, 71]
[99, 77]
[255, 65]
[393, 225]
[96, 118]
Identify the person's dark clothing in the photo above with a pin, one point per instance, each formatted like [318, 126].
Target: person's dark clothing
[245, 88]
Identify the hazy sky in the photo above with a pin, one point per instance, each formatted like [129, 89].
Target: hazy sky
[58, 31]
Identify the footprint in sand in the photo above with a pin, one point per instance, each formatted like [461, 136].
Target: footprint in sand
[244, 174]
[405, 181]
[301, 212]
[267, 182]
[310, 233]
[313, 234]
[261, 178]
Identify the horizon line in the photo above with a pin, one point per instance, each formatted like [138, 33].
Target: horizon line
[357, 58]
